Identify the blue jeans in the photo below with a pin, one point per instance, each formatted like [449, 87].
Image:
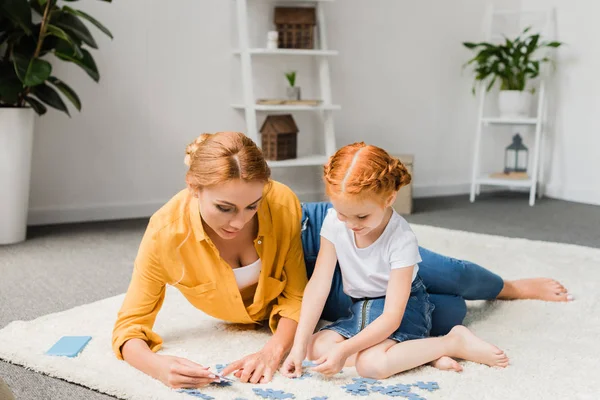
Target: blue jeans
[449, 281]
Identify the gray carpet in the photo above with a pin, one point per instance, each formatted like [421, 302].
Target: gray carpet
[81, 263]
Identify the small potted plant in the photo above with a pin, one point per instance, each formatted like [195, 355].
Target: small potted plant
[512, 64]
[31, 31]
[293, 91]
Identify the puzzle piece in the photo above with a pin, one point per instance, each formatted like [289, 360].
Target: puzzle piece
[412, 396]
[392, 390]
[304, 375]
[367, 381]
[357, 389]
[220, 367]
[196, 393]
[319, 398]
[308, 364]
[430, 386]
[224, 382]
[273, 394]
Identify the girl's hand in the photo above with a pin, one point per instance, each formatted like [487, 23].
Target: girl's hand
[255, 368]
[292, 367]
[332, 362]
[179, 373]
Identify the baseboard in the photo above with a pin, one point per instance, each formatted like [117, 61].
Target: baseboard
[578, 195]
[107, 212]
[99, 212]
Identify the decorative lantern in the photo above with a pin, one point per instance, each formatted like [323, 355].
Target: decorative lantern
[516, 156]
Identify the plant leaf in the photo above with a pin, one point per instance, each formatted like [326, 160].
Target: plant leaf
[37, 72]
[10, 85]
[19, 12]
[73, 25]
[20, 64]
[88, 17]
[37, 106]
[49, 96]
[59, 33]
[554, 44]
[87, 62]
[66, 91]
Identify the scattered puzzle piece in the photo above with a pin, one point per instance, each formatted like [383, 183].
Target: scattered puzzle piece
[379, 389]
[308, 364]
[319, 398]
[223, 383]
[304, 375]
[412, 396]
[357, 389]
[196, 393]
[273, 394]
[430, 386]
[368, 381]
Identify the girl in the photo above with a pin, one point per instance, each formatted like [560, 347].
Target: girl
[389, 321]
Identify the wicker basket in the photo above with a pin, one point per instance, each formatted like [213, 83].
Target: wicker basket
[296, 27]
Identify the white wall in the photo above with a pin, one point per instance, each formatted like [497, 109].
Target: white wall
[169, 75]
[575, 129]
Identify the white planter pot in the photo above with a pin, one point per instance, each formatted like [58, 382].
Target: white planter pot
[16, 142]
[514, 103]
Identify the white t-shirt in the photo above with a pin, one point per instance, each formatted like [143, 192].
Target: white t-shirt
[247, 275]
[366, 271]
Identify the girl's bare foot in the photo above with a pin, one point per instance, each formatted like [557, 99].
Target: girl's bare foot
[536, 288]
[469, 347]
[447, 364]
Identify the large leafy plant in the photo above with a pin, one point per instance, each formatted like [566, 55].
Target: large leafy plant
[32, 30]
[512, 62]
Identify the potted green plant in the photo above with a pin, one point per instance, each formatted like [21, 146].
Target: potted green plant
[513, 64]
[31, 32]
[293, 91]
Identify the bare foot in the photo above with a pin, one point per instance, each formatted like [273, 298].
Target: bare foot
[447, 364]
[536, 288]
[471, 348]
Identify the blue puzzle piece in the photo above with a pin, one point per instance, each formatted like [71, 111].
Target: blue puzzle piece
[304, 375]
[308, 364]
[357, 389]
[196, 393]
[413, 396]
[367, 381]
[430, 386]
[319, 398]
[273, 394]
[224, 383]
[392, 390]
[220, 367]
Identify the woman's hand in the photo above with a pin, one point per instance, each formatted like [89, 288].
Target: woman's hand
[258, 367]
[332, 362]
[179, 373]
[292, 367]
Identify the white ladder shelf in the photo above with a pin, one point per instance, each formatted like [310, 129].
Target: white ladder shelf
[535, 181]
[249, 106]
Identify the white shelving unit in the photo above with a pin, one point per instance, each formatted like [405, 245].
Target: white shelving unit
[325, 109]
[535, 172]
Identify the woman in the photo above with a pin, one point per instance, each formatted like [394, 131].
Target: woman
[234, 226]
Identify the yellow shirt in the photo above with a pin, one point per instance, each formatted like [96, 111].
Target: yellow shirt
[194, 267]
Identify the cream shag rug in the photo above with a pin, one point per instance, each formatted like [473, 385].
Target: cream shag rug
[554, 348]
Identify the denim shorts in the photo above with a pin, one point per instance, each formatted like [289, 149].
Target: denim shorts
[416, 322]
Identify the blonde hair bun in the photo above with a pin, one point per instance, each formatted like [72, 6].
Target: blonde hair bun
[193, 147]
